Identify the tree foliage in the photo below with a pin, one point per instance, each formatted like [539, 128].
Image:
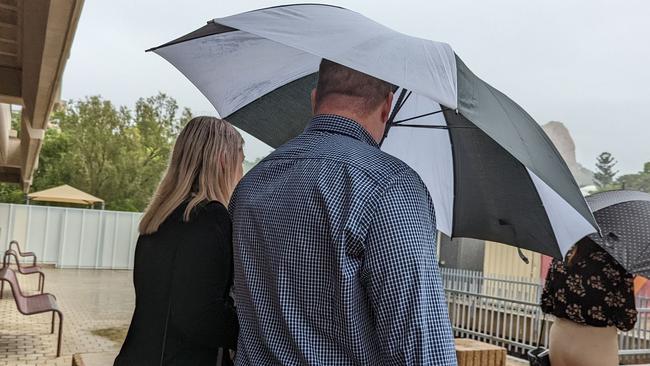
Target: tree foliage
[114, 153]
[605, 176]
[605, 173]
[636, 182]
[15, 120]
[11, 193]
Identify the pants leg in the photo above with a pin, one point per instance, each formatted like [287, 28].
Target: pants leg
[572, 344]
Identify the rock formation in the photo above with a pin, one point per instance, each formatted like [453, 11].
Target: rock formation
[561, 138]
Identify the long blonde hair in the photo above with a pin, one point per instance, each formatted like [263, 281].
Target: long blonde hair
[202, 168]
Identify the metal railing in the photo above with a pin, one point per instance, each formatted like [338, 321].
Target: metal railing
[505, 311]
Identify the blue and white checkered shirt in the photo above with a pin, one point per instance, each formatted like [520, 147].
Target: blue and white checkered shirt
[335, 256]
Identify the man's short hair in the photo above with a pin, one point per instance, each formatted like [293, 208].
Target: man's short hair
[335, 78]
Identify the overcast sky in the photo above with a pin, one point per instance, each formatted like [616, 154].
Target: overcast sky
[585, 63]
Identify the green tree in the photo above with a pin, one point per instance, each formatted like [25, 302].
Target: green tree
[53, 169]
[114, 153]
[11, 193]
[94, 130]
[16, 118]
[638, 182]
[154, 128]
[605, 173]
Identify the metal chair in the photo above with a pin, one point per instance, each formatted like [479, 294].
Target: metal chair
[6, 262]
[21, 253]
[34, 304]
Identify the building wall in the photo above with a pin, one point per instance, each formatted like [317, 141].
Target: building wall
[461, 253]
[493, 259]
[546, 264]
[504, 260]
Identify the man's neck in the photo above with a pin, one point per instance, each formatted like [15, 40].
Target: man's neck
[353, 116]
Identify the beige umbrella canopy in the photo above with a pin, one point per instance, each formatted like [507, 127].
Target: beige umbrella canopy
[65, 194]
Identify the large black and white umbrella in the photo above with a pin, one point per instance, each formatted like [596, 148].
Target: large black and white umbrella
[492, 172]
[624, 218]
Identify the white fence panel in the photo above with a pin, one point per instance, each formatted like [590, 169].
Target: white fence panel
[51, 235]
[71, 237]
[37, 238]
[19, 218]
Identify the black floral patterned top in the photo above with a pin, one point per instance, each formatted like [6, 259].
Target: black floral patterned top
[593, 290]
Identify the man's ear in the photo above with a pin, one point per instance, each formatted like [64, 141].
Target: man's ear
[385, 110]
[313, 101]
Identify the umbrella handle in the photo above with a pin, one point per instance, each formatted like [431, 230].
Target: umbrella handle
[522, 256]
[610, 239]
[514, 239]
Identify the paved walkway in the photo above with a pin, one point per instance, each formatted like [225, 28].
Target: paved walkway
[97, 306]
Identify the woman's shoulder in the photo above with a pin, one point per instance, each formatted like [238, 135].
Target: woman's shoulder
[212, 212]
[213, 208]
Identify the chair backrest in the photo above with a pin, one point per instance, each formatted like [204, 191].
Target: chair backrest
[6, 260]
[14, 242]
[20, 253]
[9, 275]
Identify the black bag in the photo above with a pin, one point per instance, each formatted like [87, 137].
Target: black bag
[540, 355]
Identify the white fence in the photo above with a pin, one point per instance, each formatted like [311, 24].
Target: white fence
[71, 237]
[505, 311]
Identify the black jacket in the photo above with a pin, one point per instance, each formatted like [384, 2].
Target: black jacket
[184, 270]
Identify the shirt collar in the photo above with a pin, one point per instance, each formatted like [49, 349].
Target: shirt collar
[341, 125]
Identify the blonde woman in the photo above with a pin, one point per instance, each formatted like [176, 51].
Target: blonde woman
[183, 258]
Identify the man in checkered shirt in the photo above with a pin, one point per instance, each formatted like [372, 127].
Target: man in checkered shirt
[335, 243]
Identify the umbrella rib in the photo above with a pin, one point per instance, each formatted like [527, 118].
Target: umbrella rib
[216, 29]
[440, 127]
[420, 116]
[405, 99]
[393, 113]
[398, 105]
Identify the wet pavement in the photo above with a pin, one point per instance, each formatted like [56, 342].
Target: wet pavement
[97, 306]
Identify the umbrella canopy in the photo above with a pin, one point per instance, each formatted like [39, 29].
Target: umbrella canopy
[65, 194]
[492, 172]
[624, 218]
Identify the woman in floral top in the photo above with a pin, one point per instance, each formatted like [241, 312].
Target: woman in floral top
[590, 296]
